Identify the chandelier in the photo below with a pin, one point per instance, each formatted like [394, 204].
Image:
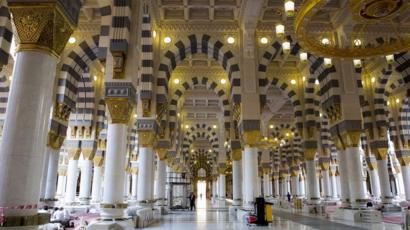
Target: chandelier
[362, 28]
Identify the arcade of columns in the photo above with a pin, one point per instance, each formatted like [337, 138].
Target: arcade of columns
[115, 108]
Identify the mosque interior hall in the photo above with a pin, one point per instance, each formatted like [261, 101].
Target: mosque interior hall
[204, 114]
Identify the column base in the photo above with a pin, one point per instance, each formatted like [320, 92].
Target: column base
[364, 215]
[237, 202]
[387, 200]
[112, 211]
[359, 204]
[314, 201]
[85, 200]
[106, 224]
[143, 216]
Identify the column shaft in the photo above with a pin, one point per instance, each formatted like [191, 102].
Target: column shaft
[250, 175]
[72, 176]
[375, 183]
[160, 187]
[237, 182]
[326, 184]
[52, 174]
[145, 175]
[386, 193]
[406, 180]
[312, 182]
[96, 187]
[85, 182]
[134, 185]
[354, 170]
[344, 177]
[222, 186]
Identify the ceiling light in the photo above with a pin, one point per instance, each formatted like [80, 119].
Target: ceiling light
[390, 58]
[214, 126]
[135, 115]
[280, 30]
[303, 78]
[303, 57]
[397, 100]
[176, 80]
[192, 151]
[286, 46]
[388, 103]
[167, 40]
[72, 40]
[264, 40]
[271, 126]
[178, 114]
[210, 150]
[316, 82]
[320, 114]
[230, 40]
[223, 81]
[289, 8]
[373, 79]
[327, 62]
[265, 138]
[357, 63]
[357, 42]
[276, 139]
[95, 78]
[293, 81]
[287, 134]
[325, 41]
[186, 126]
[154, 33]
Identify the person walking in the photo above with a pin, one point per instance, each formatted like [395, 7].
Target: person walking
[192, 199]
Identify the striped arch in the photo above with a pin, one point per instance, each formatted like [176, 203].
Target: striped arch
[6, 33]
[198, 44]
[198, 131]
[211, 86]
[399, 126]
[297, 140]
[311, 98]
[104, 40]
[4, 94]
[72, 83]
[85, 106]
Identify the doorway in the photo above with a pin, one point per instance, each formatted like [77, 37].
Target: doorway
[201, 194]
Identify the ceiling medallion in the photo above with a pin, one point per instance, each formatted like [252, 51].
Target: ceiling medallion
[377, 9]
[367, 17]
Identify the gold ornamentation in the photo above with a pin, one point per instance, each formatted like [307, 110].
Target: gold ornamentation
[41, 27]
[88, 154]
[74, 154]
[372, 11]
[146, 108]
[324, 166]
[54, 140]
[146, 139]
[221, 170]
[372, 165]
[251, 138]
[350, 139]
[162, 153]
[381, 153]
[120, 110]
[310, 154]
[118, 59]
[236, 154]
[61, 111]
[98, 161]
[404, 160]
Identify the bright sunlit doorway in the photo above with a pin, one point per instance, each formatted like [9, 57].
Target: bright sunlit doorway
[201, 194]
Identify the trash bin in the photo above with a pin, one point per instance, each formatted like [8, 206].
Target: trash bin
[260, 211]
[268, 212]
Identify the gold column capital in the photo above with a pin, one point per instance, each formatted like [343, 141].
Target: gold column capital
[98, 161]
[221, 170]
[251, 138]
[61, 111]
[236, 154]
[380, 153]
[54, 140]
[310, 154]
[350, 138]
[372, 165]
[41, 27]
[88, 154]
[120, 110]
[404, 160]
[324, 165]
[74, 153]
[146, 139]
[162, 153]
[266, 170]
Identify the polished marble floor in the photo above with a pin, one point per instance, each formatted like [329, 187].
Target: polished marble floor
[209, 217]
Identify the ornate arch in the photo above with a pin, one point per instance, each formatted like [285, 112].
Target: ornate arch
[211, 86]
[198, 44]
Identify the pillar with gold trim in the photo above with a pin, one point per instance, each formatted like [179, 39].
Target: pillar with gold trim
[162, 146]
[250, 137]
[147, 129]
[97, 177]
[120, 100]
[312, 179]
[72, 170]
[42, 29]
[88, 149]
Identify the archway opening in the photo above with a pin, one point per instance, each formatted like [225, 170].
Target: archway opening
[201, 193]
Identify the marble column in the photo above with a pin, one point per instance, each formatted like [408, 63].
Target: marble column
[385, 191]
[294, 183]
[343, 178]
[302, 186]
[134, 185]
[145, 175]
[126, 184]
[96, 186]
[276, 186]
[312, 182]
[61, 184]
[250, 175]
[374, 182]
[354, 168]
[72, 178]
[326, 184]
[333, 182]
[222, 187]
[52, 172]
[237, 181]
[160, 182]
[24, 139]
[405, 169]
[85, 181]
[44, 174]
[112, 204]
